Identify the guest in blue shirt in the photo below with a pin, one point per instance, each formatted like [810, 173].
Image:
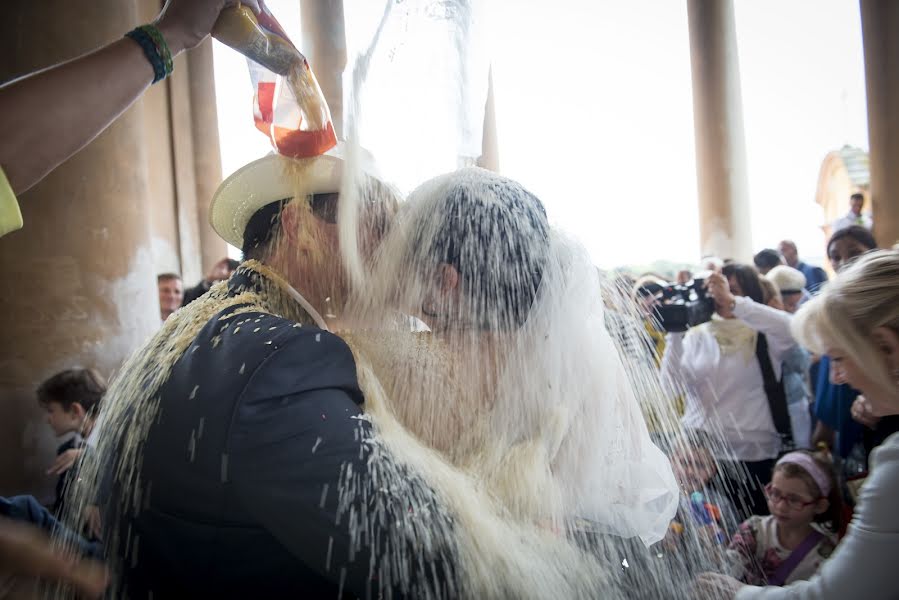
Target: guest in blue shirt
[815, 277]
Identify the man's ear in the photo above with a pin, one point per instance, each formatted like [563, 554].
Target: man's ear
[77, 411]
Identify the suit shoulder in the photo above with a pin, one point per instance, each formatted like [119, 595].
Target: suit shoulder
[310, 345]
[296, 359]
[281, 332]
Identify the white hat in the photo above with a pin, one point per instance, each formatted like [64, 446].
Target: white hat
[274, 178]
[787, 279]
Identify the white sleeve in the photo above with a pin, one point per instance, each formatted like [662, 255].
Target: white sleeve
[775, 324]
[672, 368]
[864, 563]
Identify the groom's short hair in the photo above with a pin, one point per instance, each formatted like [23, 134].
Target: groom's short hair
[496, 235]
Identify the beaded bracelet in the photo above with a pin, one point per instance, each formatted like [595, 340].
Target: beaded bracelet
[155, 49]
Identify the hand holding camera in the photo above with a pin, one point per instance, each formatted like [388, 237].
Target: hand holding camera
[719, 289]
[678, 307]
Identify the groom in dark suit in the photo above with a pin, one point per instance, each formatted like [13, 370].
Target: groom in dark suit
[259, 424]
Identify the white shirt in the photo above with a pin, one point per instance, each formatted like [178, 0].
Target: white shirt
[852, 219]
[726, 390]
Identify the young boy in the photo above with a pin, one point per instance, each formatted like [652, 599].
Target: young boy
[72, 401]
[705, 519]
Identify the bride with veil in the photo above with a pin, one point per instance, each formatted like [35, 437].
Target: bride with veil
[515, 407]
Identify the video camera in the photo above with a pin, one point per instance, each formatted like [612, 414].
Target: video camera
[683, 306]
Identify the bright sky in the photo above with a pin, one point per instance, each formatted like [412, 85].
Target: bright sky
[594, 111]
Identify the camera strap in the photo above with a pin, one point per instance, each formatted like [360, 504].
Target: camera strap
[777, 396]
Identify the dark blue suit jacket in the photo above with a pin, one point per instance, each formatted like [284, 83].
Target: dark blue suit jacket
[815, 277]
[242, 469]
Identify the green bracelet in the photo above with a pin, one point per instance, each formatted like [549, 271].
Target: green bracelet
[146, 43]
[161, 46]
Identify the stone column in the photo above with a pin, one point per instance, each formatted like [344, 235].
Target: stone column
[880, 21]
[184, 172]
[162, 211]
[207, 154]
[79, 283]
[324, 45]
[724, 226]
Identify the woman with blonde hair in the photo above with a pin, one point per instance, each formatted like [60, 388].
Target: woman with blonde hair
[856, 321]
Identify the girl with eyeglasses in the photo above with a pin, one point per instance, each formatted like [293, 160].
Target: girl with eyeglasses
[800, 533]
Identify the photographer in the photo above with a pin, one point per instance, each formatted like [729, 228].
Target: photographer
[731, 369]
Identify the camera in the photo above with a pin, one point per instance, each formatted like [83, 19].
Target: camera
[683, 306]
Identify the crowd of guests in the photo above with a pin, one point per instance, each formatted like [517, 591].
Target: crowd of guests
[781, 436]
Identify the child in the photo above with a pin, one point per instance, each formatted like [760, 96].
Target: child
[695, 542]
[791, 543]
[72, 400]
[704, 509]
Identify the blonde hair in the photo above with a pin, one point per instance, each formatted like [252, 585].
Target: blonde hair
[863, 297]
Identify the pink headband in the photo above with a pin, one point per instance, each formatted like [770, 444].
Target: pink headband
[811, 467]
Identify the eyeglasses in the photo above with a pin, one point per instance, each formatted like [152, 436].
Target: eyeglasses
[793, 501]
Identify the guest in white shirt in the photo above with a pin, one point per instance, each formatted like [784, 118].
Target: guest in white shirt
[855, 216]
[719, 363]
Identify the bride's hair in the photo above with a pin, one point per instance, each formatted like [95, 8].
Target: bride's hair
[494, 233]
[861, 298]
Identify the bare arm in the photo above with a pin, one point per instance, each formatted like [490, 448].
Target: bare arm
[72, 103]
